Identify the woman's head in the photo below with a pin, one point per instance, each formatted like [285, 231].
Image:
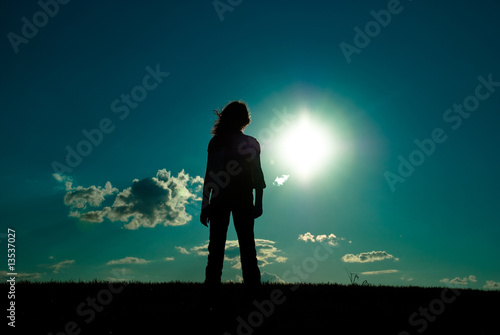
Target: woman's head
[235, 116]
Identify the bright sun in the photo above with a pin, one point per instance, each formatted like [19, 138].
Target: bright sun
[306, 147]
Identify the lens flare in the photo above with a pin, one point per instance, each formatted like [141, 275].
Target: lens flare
[306, 147]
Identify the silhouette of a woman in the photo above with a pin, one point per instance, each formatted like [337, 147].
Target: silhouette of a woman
[233, 172]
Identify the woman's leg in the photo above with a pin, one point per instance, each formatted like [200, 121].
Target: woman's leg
[244, 225]
[219, 221]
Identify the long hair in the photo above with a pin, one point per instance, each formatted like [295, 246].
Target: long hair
[235, 116]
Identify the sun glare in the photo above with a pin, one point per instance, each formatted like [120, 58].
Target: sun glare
[306, 147]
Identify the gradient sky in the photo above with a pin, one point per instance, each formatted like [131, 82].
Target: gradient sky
[287, 60]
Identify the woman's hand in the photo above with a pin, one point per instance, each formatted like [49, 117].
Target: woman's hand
[257, 208]
[257, 211]
[204, 216]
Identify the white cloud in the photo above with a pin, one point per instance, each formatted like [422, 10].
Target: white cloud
[201, 250]
[182, 250]
[271, 278]
[21, 275]
[92, 216]
[266, 252]
[456, 280]
[68, 181]
[120, 275]
[321, 238]
[403, 277]
[160, 200]
[80, 197]
[58, 266]
[368, 257]
[168, 259]
[281, 259]
[198, 181]
[331, 239]
[128, 260]
[279, 181]
[379, 272]
[239, 279]
[307, 237]
[265, 277]
[459, 281]
[492, 285]
[61, 178]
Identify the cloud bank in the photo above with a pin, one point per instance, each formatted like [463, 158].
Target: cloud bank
[63, 264]
[21, 275]
[152, 201]
[379, 272]
[182, 250]
[81, 197]
[331, 239]
[492, 285]
[267, 277]
[368, 257]
[459, 281]
[128, 260]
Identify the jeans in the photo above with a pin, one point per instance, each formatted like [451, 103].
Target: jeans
[242, 209]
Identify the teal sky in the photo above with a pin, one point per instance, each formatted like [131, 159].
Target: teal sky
[396, 180]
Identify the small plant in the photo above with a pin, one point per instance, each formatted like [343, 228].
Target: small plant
[353, 277]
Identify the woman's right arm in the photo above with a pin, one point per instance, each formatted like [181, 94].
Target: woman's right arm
[207, 190]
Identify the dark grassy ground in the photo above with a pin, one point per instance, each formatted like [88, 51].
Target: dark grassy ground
[179, 308]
